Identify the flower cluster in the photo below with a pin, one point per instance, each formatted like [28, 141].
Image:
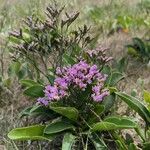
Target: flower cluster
[100, 54]
[79, 75]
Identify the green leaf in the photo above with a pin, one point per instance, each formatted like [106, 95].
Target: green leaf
[114, 123]
[115, 78]
[28, 83]
[106, 69]
[132, 147]
[122, 63]
[119, 145]
[134, 92]
[14, 40]
[112, 89]
[68, 60]
[132, 51]
[146, 96]
[140, 45]
[109, 102]
[122, 122]
[14, 68]
[136, 105]
[148, 133]
[69, 112]
[37, 110]
[98, 142]
[98, 109]
[146, 146]
[21, 74]
[68, 141]
[29, 133]
[35, 91]
[7, 82]
[56, 127]
[25, 112]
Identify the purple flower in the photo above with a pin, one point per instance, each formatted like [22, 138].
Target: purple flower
[98, 93]
[58, 71]
[82, 86]
[96, 89]
[61, 82]
[62, 93]
[42, 101]
[79, 75]
[51, 92]
[100, 97]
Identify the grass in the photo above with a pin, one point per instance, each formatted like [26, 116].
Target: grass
[105, 17]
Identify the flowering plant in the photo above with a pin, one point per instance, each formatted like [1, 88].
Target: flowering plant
[76, 106]
[77, 103]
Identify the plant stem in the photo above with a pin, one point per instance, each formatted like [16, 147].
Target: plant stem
[86, 145]
[96, 114]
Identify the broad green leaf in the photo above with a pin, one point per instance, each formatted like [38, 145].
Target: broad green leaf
[28, 83]
[35, 91]
[69, 112]
[68, 141]
[56, 127]
[136, 105]
[114, 123]
[122, 122]
[29, 133]
[146, 96]
[104, 126]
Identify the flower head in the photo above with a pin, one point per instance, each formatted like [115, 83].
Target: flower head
[79, 76]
